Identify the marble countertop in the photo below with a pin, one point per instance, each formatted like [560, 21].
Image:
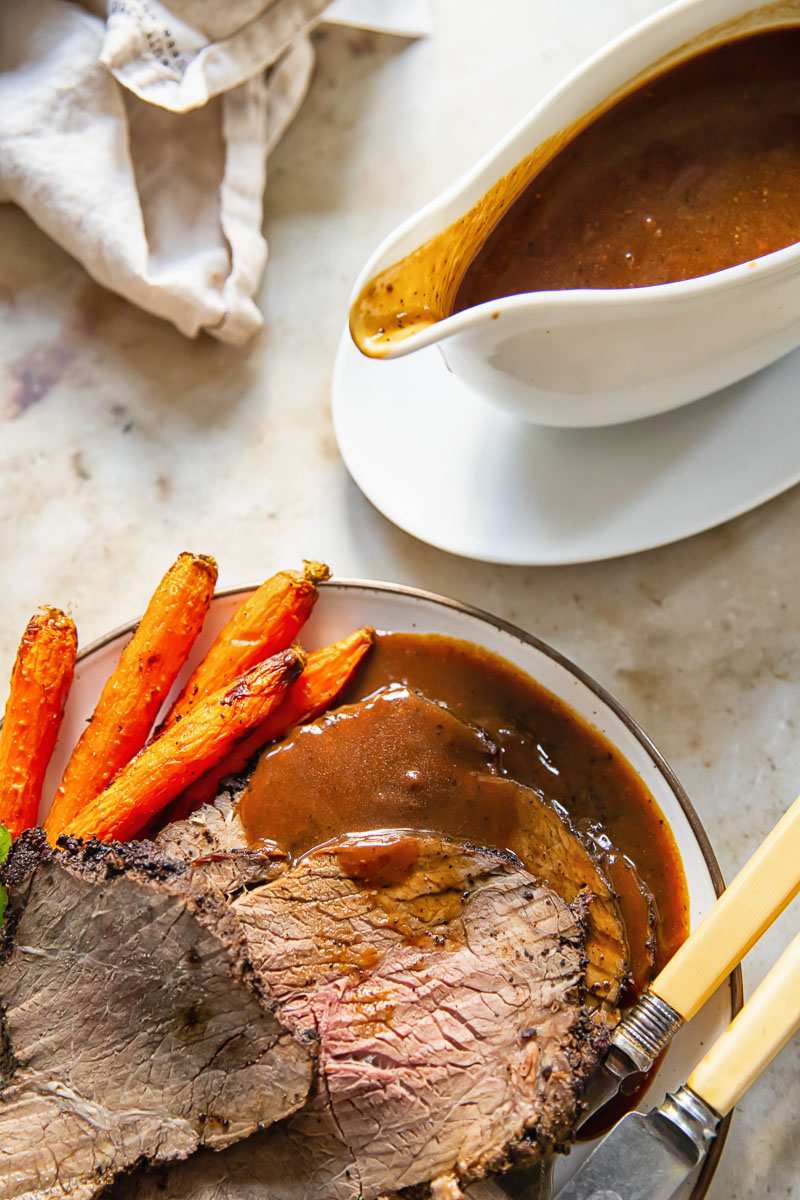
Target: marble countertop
[122, 443]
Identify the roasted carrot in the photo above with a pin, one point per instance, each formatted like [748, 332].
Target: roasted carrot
[327, 671]
[170, 763]
[266, 622]
[40, 682]
[137, 687]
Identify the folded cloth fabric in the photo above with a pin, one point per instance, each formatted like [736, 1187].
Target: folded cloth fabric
[139, 142]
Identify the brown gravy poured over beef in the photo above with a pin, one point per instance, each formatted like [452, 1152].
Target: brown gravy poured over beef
[393, 759]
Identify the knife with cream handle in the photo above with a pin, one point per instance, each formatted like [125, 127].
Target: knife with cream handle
[767, 882]
[648, 1156]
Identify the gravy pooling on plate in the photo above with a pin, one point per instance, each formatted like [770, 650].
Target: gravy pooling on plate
[394, 760]
[694, 171]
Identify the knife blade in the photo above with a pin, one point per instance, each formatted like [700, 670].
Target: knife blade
[648, 1156]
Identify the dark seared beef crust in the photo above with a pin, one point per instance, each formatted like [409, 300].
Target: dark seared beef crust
[453, 1039]
[134, 1026]
[213, 841]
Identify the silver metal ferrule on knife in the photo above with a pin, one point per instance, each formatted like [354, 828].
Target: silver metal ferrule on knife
[690, 1116]
[641, 1036]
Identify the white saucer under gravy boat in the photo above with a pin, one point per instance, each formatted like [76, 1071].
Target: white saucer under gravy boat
[588, 357]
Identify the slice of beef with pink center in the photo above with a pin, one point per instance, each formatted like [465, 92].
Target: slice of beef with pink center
[445, 986]
[133, 1026]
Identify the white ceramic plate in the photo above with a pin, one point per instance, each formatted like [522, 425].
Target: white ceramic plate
[455, 472]
[347, 605]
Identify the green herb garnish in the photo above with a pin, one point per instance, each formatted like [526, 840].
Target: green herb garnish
[5, 846]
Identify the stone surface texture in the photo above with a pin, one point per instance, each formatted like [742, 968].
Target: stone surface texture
[122, 443]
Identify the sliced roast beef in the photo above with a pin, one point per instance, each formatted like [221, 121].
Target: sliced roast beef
[445, 987]
[550, 848]
[214, 843]
[133, 1025]
[400, 760]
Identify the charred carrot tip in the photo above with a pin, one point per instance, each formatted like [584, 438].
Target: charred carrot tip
[315, 572]
[47, 615]
[202, 560]
[295, 659]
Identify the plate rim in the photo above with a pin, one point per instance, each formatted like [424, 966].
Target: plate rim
[346, 583]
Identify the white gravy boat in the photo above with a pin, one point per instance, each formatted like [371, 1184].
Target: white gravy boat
[587, 357]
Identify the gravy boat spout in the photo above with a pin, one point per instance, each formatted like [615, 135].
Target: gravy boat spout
[587, 356]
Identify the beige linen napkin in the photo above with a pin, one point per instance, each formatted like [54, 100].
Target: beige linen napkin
[139, 142]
